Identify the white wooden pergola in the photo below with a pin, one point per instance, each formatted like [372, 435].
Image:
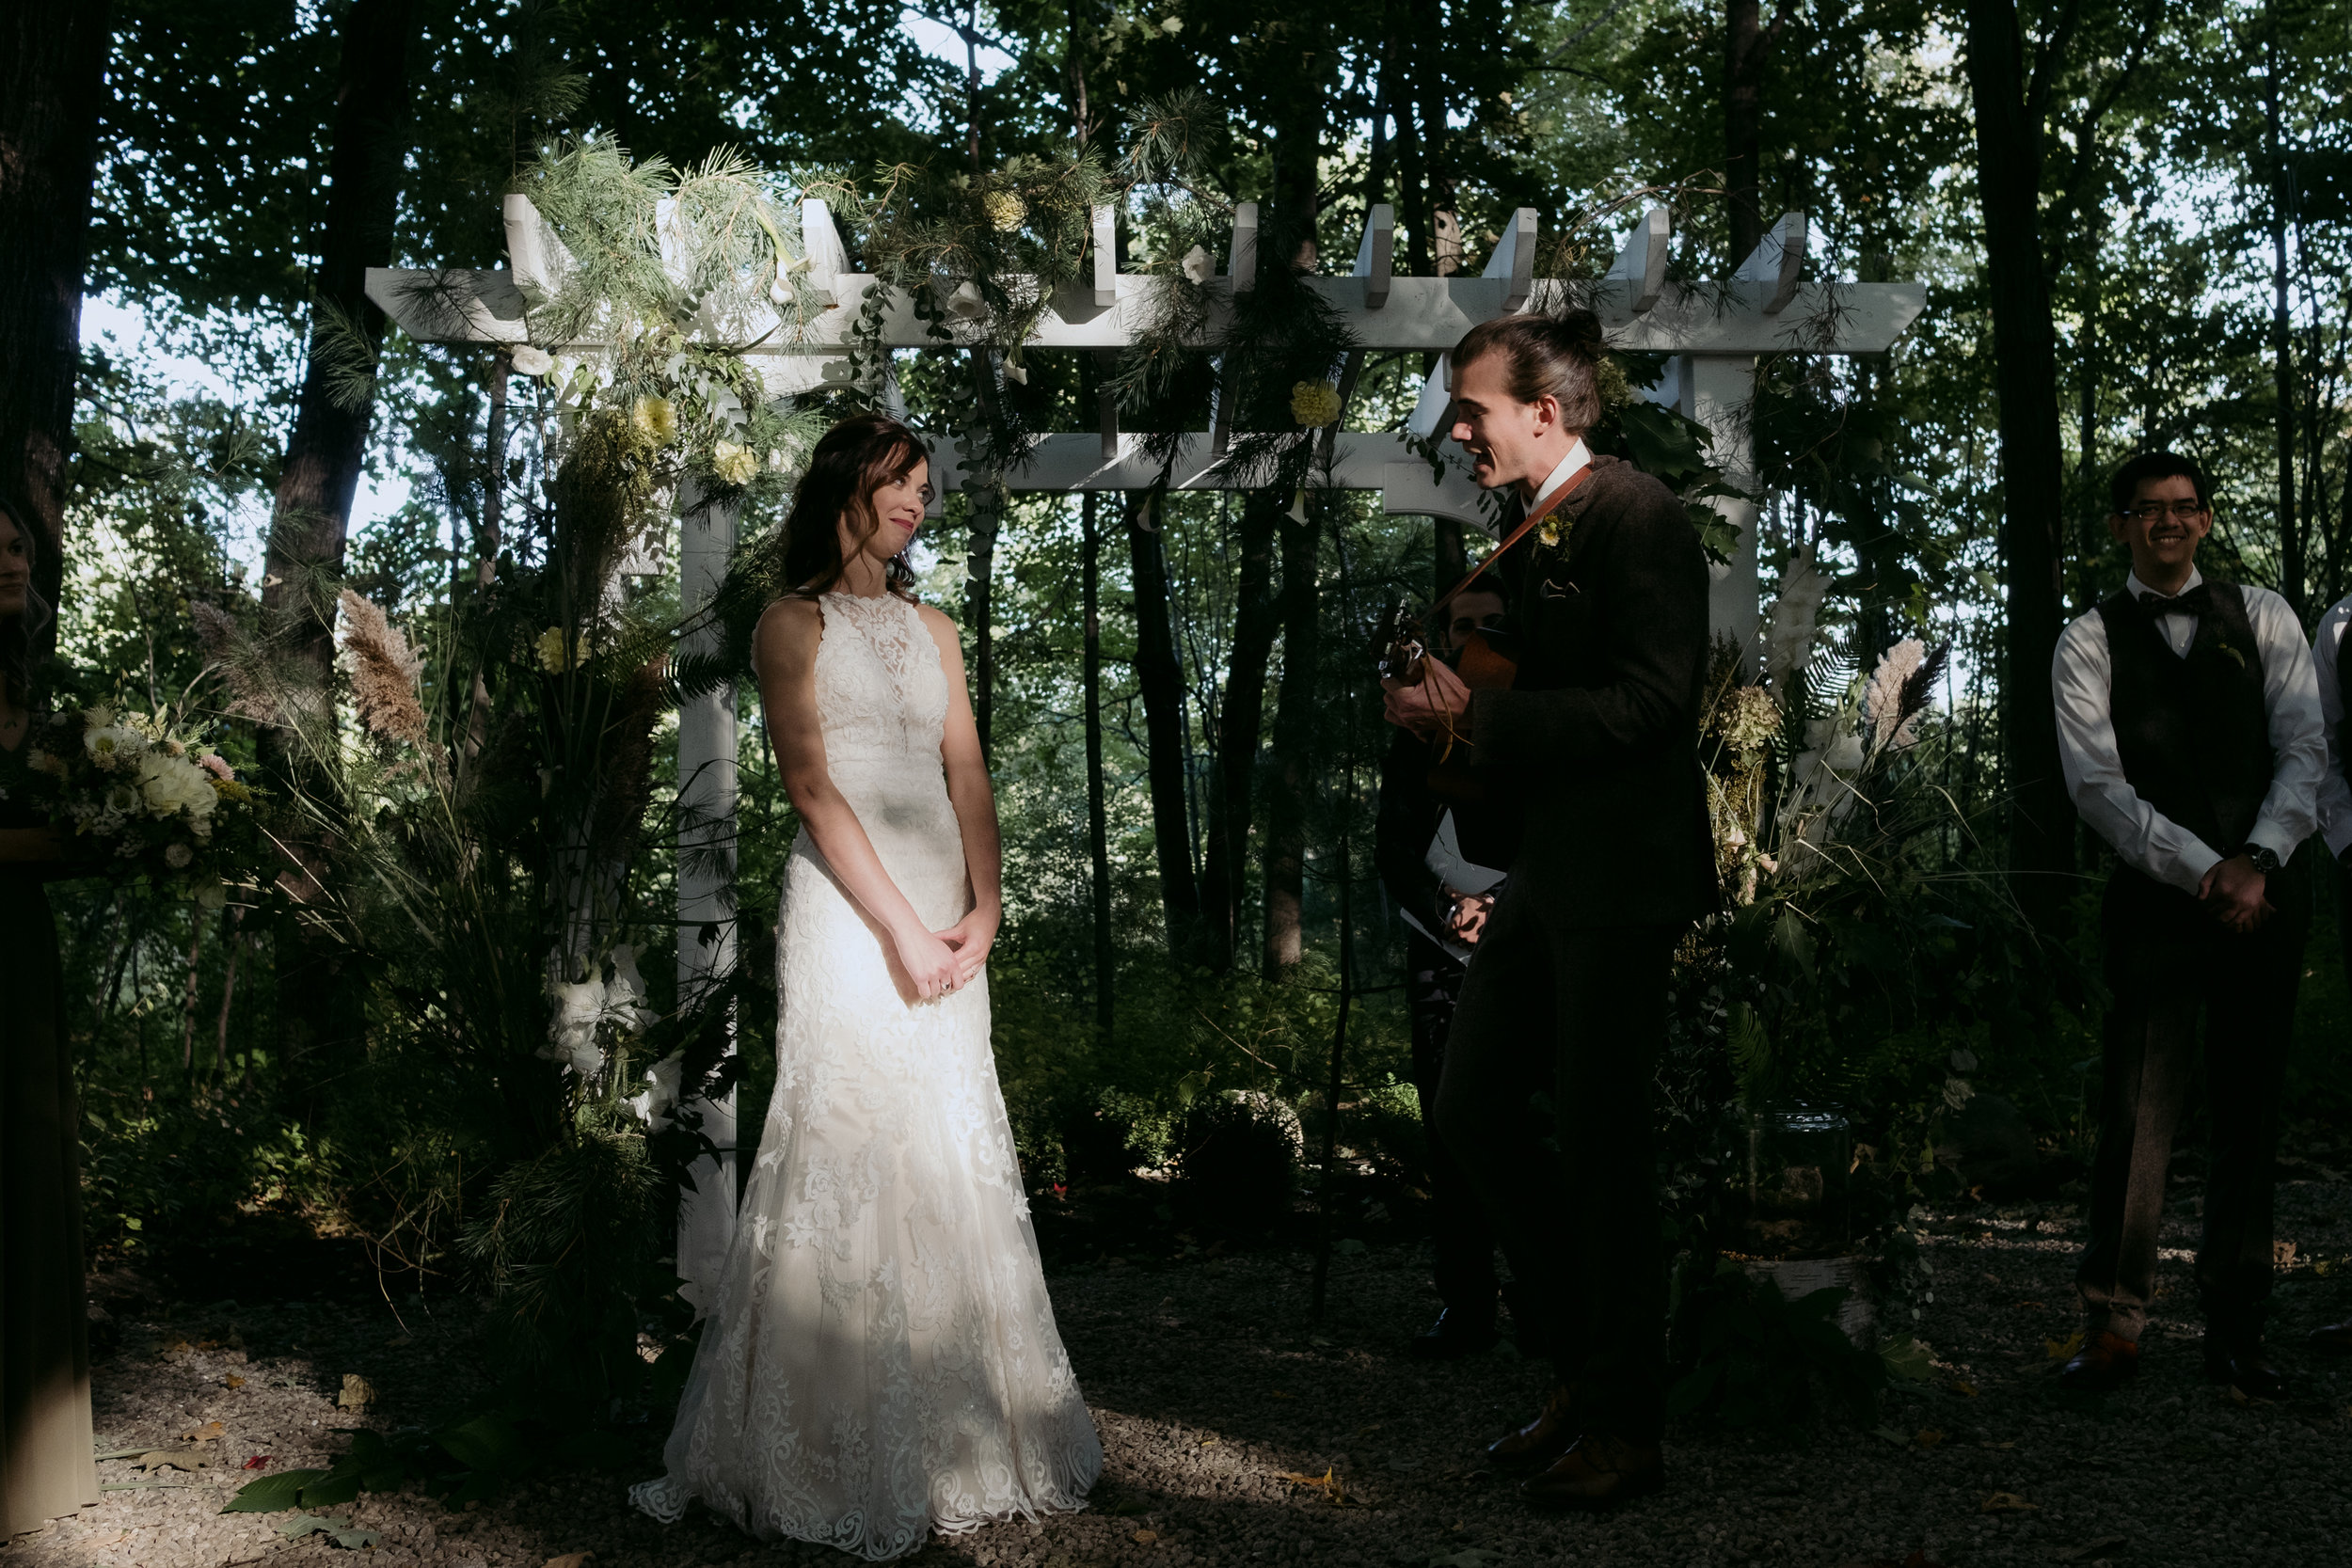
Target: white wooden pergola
[1713, 332]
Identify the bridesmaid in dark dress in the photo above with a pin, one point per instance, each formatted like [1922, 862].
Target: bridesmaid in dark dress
[46, 1468]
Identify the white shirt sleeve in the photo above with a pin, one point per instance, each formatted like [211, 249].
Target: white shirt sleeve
[2082, 682]
[2335, 795]
[2299, 736]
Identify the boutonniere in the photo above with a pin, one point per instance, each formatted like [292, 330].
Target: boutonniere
[1550, 531]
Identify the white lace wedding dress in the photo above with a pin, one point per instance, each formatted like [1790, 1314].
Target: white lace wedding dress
[881, 1360]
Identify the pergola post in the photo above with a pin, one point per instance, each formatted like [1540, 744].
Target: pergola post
[707, 747]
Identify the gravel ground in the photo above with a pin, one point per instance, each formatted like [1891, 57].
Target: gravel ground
[1211, 1395]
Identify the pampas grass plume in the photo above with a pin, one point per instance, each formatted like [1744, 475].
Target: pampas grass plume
[384, 671]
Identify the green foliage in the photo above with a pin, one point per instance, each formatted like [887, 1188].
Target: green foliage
[566, 1239]
[465, 1460]
[1746, 1356]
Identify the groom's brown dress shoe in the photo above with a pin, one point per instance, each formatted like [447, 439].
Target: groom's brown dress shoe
[1597, 1473]
[1541, 1441]
[2106, 1363]
[2244, 1367]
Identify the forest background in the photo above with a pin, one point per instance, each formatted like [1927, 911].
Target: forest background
[2132, 221]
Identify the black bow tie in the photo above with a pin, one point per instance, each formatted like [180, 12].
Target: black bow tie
[2197, 601]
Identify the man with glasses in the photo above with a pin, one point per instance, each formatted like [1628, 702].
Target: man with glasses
[2189, 729]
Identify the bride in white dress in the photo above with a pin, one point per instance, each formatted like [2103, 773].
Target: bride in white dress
[881, 1360]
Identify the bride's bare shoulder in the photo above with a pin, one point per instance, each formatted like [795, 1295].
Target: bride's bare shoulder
[789, 631]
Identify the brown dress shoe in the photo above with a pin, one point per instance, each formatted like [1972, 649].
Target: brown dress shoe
[2106, 1362]
[1597, 1473]
[2335, 1338]
[2244, 1367]
[1541, 1440]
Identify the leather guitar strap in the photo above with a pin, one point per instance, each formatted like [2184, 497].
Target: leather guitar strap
[1550, 504]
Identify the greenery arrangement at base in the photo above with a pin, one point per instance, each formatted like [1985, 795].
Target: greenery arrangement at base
[468, 1459]
[1744, 1355]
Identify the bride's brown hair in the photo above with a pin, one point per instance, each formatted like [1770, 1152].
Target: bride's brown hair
[853, 460]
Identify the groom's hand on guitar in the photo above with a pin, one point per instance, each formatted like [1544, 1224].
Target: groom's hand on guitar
[1432, 707]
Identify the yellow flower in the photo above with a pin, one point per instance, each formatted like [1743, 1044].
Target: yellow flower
[560, 650]
[733, 463]
[1314, 404]
[656, 420]
[1005, 208]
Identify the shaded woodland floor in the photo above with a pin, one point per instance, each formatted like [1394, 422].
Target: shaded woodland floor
[1214, 1395]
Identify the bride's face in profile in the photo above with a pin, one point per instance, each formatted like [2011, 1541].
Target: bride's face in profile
[898, 506]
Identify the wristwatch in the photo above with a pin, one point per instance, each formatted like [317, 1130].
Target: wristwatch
[2266, 861]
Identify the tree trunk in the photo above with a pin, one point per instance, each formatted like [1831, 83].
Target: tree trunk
[2294, 552]
[2009, 175]
[1160, 678]
[1239, 721]
[1291, 775]
[318, 1013]
[1098, 805]
[1744, 125]
[53, 65]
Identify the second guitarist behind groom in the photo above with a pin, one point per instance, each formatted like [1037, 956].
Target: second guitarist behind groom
[1596, 797]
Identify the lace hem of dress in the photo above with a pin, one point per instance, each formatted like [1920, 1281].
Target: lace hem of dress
[664, 1500]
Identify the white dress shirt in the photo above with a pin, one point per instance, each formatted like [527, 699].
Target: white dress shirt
[2335, 795]
[1579, 457]
[2082, 676]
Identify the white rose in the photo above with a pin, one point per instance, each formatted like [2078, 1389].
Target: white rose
[734, 463]
[532, 361]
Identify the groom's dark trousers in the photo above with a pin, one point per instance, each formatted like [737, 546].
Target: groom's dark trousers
[1598, 808]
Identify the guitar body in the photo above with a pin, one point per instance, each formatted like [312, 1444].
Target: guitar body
[1485, 665]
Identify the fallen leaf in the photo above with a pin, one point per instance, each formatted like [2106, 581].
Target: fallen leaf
[99, 1543]
[2006, 1502]
[1966, 1390]
[2105, 1547]
[338, 1530]
[2060, 1349]
[1279, 1394]
[2033, 1306]
[171, 1459]
[232, 1380]
[259, 1461]
[402, 1341]
[204, 1433]
[572, 1559]
[1145, 1537]
[2235, 1394]
[1210, 1442]
[2002, 1446]
[1926, 1437]
[124, 1453]
[1900, 1439]
[356, 1391]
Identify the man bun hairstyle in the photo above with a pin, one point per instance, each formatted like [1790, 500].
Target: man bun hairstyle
[2155, 464]
[1556, 355]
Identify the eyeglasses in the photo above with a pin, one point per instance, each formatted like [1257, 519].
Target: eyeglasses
[2149, 511]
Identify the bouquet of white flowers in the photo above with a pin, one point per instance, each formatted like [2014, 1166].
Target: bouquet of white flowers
[145, 796]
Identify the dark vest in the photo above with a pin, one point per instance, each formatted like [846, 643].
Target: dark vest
[2193, 732]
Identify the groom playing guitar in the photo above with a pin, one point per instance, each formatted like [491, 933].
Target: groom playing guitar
[1593, 801]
